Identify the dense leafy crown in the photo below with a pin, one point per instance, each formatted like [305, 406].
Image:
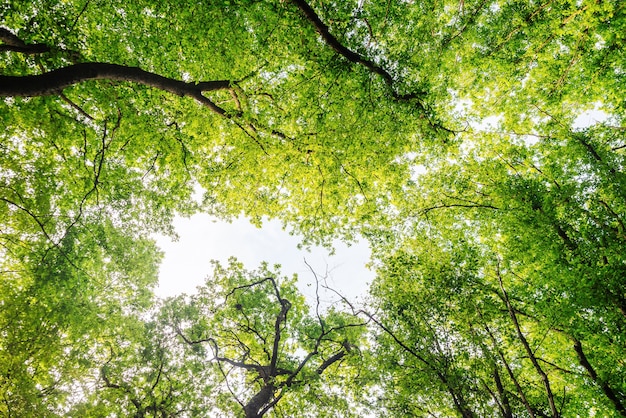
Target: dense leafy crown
[477, 145]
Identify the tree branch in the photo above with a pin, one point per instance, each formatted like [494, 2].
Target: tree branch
[188, 341]
[608, 391]
[518, 387]
[458, 205]
[324, 31]
[531, 355]
[346, 348]
[14, 44]
[54, 81]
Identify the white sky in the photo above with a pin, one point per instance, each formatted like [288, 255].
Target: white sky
[201, 239]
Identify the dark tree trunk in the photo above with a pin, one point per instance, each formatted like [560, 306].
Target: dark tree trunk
[254, 407]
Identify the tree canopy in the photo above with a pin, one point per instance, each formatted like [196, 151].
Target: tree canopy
[477, 145]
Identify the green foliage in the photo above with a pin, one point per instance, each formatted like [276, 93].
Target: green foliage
[456, 136]
[211, 353]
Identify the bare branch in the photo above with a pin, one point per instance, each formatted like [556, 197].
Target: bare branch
[457, 205]
[193, 342]
[75, 106]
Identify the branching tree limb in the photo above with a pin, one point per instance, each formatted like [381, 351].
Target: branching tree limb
[55, 81]
[457, 396]
[613, 395]
[273, 377]
[416, 97]
[518, 386]
[324, 31]
[529, 351]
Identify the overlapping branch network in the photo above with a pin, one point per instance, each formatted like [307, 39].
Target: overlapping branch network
[274, 375]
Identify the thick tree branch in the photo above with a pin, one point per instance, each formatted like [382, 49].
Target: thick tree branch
[14, 44]
[506, 407]
[346, 348]
[273, 379]
[26, 49]
[123, 387]
[55, 81]
[608, 391]
[281, 317]
[285, 305]
[246, 366]
[254, 408]
[324, 31]
[9, 38]
[264, 399]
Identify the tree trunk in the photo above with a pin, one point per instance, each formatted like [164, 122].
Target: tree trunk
[254, 407]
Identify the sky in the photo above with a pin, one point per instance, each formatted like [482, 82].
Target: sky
[202, 238]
